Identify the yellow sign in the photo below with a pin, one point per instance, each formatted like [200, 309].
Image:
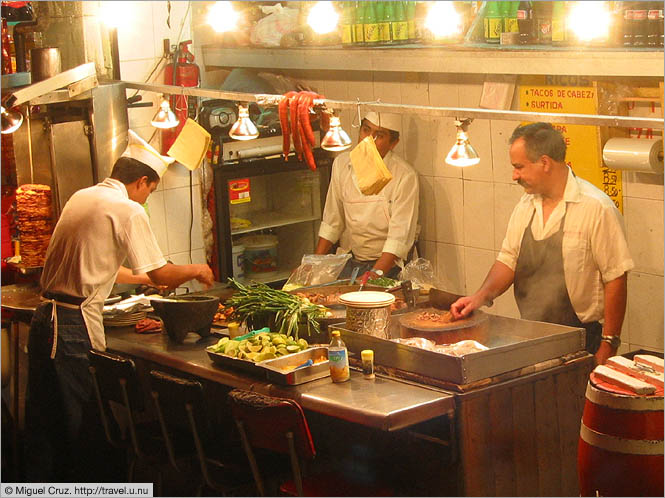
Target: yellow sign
[583, 142]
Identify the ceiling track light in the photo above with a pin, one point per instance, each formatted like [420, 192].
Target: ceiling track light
[164, 118]
[335, 139]
[11, 120]
[462, 154]
[243, 129]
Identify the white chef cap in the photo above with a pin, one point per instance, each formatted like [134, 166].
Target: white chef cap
[385, 120]
[142, 151]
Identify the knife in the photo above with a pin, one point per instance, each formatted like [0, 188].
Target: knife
[366, 278]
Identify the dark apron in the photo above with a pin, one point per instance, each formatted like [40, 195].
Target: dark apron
[540, 285]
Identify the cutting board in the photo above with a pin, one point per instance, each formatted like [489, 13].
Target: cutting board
[474, 327]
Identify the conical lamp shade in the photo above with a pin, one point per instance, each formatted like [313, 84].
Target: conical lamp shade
[336, 138]
[462, 154]
[164, 118]
[11, 120]
[243, 129]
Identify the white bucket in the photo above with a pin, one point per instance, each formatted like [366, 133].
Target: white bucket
[260, 254]
[238, 258]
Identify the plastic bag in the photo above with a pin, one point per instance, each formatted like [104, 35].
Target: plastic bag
[421, 274]
[316, 269]
[280, 21]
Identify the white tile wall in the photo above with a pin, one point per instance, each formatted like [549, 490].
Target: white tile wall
[645, 307]
[644, 230]
[478, 214]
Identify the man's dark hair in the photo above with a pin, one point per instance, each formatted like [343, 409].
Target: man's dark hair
[394, 135]
[128, 170]
[541, 139]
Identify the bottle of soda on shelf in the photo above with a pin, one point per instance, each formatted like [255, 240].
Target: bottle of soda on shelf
[640, 24]
[660, 26]
[338, 359]
[493, 23]
[359, 24]
[389, 19]
[6, 50]
[411, 21]
[543, 14]
[400, 26]
[525, 23]
[559, 23]
[380, 10]
[371, 25]
[654, 24]
[510, 24]
[348, 17]
[628, 25]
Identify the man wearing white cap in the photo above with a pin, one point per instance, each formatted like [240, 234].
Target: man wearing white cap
[100, 227]
[379, 230]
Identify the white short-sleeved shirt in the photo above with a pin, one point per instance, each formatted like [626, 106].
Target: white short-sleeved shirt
[594, 244]
[368, 225]
[99, 228]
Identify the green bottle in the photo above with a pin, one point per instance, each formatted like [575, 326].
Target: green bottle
[348, 16]
[371, 25]
[493, 23]
[504, 9]
[510, 24]
[389, 18]
[400, 29]
[384, 27]
[359, 22]
[411, 21]
[559, 23]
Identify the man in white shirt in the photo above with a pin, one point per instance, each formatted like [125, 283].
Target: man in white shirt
[379, 230]
[99, 228]
[565, 248]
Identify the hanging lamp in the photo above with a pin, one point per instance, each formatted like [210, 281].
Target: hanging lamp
[462, 154]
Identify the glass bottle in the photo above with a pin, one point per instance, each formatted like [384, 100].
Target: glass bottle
[371, 25]
[348, 19]
[504, 8]
[510, 24]
[400, 31]
[628, 24]
[543, 15]
[359, 23]
[640, 24]
[411, 21]
[338, 359]
[654, 18]
[493, 23]
[6, 50]
[559, 23]
[525, 23]
[389, 19]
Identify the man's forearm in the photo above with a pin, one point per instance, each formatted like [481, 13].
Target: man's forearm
[616, 292]
[323, 246]
[498, 280]
[173, 275]
[385, 262]
[125, 276]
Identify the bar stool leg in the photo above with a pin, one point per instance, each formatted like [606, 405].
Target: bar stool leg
[15, 398]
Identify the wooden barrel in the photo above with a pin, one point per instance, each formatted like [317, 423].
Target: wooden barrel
[620, 450]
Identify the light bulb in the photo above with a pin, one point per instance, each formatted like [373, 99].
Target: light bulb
[462, 153]
[164, 118]
[335, 139]
[243, 129]
[222, 17]
[323, 18]
[11, 120]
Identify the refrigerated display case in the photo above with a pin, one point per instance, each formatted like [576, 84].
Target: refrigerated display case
[271, 207]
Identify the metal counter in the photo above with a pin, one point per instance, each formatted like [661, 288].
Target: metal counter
[385, 404]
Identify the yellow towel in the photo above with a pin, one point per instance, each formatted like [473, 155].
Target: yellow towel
[370, 170]
[191, 145]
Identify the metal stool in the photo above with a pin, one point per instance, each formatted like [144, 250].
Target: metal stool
[180, 409]
[279, 425]
[115, 380]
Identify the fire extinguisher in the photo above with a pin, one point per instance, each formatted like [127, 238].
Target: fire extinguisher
[181, 72]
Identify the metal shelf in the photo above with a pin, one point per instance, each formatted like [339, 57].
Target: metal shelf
[261, 221]
[450, 59]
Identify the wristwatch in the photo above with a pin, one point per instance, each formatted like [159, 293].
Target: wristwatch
[612, 340]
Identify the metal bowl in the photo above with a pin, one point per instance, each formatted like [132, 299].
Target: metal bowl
[184, 314]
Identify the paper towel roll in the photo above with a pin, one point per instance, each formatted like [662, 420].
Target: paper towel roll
[634, 154]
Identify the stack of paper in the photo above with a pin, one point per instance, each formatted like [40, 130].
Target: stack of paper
[370, 170]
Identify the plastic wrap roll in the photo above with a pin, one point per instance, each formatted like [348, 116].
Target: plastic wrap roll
[634, 154]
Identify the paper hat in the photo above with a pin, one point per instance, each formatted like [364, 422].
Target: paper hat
[385, 120]
[139, 149]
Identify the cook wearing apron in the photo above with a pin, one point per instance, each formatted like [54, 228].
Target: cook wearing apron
[540, 285]
[99, 229]
[378, 230]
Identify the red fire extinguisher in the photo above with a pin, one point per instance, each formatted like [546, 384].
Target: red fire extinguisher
[186, 73]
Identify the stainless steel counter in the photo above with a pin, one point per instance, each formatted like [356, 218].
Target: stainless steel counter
[381, 403]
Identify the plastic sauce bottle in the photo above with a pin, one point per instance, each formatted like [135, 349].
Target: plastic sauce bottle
[338, 359]
[367, 356]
